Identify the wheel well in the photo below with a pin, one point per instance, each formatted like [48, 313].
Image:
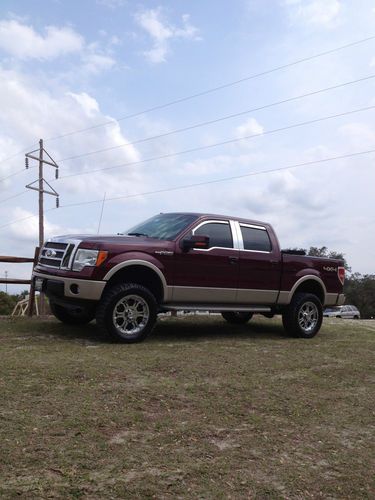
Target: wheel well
[311, 286]
[141, 275]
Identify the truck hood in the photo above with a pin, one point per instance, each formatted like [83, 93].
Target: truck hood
[104, 240]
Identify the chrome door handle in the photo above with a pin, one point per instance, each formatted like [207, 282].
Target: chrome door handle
[233, 259]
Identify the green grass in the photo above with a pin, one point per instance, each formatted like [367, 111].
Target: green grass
[201, 409]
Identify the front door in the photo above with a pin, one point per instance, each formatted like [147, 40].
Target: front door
[208, 275]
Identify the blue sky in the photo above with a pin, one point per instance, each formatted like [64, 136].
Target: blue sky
[70, 65]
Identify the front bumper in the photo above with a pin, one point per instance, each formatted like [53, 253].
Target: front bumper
[71, 288]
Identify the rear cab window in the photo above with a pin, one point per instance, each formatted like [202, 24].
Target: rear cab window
[255, 238]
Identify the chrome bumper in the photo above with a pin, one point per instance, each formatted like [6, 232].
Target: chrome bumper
[76, 288]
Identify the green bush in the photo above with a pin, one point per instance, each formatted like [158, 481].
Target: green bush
[7, 303]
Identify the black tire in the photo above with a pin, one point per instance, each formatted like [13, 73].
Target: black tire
[71, 316]
[304, 315]
[122, 300]
[356, 317]
[237, 318]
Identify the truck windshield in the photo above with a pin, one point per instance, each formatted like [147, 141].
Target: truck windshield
[162, 226]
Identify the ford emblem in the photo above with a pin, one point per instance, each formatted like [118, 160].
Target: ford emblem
[50, 253]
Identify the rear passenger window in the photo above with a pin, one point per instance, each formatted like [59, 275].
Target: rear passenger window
[220, 234]
[255, 239]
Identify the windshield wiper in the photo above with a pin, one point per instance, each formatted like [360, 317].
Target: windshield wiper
[138, 234]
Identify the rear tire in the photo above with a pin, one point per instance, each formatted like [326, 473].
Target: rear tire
[237, 318]
[304, 315]
[127, 313]
[71, 316]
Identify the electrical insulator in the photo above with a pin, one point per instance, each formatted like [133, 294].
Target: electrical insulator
[57, 202]
[26, 162]
[57, 173]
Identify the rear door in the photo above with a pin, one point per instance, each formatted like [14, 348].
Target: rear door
[208, 275]
[260, 265]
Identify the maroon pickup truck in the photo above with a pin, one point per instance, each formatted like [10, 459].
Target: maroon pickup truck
[185, 261]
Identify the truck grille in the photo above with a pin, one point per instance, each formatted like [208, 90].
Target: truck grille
[56, 254]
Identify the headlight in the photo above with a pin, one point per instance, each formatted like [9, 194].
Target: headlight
[85, 258]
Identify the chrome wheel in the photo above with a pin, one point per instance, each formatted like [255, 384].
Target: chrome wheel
[308, 316]
[131, 314]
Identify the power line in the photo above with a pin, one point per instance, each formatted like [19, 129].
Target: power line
[204, 183]
[13, 174]
[223, 118]
[13, 196]
[216, 144]
[268, 132]
[193, 96]
[16, 154]
[215, 89]
[223, 179]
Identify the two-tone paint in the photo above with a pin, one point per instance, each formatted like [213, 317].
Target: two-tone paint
[216, 276]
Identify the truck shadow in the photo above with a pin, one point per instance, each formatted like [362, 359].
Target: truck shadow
[184, 329]
[175, 330]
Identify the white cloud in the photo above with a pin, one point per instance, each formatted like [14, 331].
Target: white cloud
[359, 135]
[96, 63]
[30, 112]
[250, 127]
[23, 42]
[314, 12]
[162, 32]
[27, 229]
[88, 103]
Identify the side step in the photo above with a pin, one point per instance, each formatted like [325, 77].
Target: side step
[216, 308]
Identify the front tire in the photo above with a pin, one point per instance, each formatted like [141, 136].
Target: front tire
[71, 316]
[127, 313]
[237, 318]
[304, 315]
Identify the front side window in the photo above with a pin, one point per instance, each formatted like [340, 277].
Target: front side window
[162, 226]
[219, 233]
[255, 239]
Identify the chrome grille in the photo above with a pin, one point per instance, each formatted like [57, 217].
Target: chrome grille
[58, 254]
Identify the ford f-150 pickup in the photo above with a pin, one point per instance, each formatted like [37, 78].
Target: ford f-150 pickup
[185, 261]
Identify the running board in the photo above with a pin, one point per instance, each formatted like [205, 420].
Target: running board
[216, 308]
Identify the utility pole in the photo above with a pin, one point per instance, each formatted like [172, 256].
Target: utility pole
[6, 279]
[41, 200]
[42, 159]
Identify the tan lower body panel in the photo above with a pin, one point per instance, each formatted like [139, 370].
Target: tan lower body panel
[198, 295]
[331, 299]
[209, 295]
[257, 296]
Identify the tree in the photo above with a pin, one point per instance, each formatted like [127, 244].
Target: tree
[324, 252]
[7, 303]
[360, 291]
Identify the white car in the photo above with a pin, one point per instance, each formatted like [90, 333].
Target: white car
[342, 312]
